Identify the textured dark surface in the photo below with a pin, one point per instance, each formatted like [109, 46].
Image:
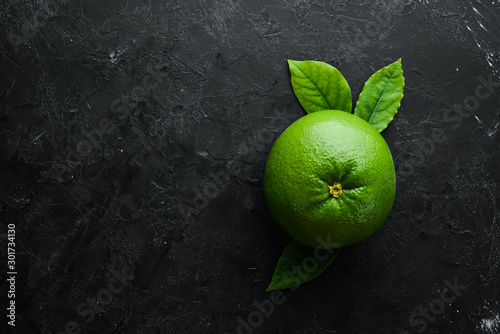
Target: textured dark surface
[140, 198]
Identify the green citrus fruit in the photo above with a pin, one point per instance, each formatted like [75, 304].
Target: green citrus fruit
[330, 179]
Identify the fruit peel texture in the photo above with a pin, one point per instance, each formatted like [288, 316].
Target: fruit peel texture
[314, 152]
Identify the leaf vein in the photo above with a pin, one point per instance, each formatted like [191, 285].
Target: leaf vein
[381, 96]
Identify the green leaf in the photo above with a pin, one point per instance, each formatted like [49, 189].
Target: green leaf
[381, 96]
[319, 86]
[299, 264]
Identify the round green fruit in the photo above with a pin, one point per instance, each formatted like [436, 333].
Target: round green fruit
[329, 180]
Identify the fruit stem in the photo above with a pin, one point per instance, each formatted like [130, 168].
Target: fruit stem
[336, 190]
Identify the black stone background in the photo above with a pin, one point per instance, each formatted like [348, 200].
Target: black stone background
[134, 201]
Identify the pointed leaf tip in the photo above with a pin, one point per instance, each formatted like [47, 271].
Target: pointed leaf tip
[381, 96]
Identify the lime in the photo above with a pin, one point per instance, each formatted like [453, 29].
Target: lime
[330, 177]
